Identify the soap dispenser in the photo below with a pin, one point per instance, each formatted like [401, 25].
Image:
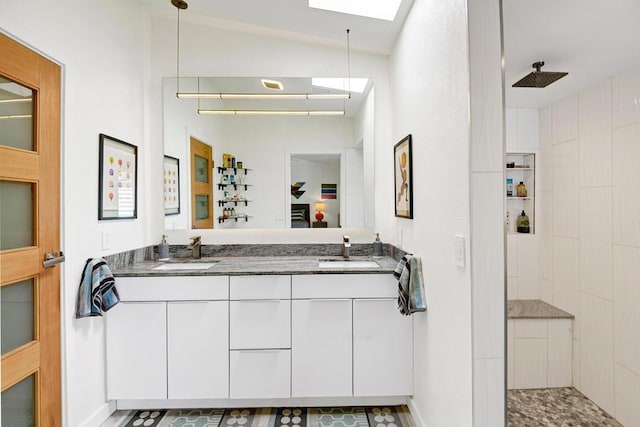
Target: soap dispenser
[163, 249]
[377, 246]
[523, 223]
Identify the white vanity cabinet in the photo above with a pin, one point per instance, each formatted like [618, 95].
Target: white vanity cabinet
[321, 361]
[348, 337]
[382, 344]
[136, 351]
[260, 336]
[197, 353]
[168, 338]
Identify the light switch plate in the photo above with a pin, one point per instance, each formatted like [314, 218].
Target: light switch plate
[106, 240]
[459, 250]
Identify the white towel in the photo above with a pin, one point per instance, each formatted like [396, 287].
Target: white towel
[410, 285]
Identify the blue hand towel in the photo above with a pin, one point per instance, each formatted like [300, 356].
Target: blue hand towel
[410, 285]
[97, 293]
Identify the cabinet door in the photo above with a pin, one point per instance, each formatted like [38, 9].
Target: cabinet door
[137, 351]
[382, 349]
[321, 363]
[198, 350]
[259, 374]
[260, 324]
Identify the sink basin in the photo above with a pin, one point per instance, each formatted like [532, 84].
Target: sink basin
[348, 264]
[185, 266]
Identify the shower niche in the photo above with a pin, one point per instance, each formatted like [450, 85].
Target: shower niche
[520, 177]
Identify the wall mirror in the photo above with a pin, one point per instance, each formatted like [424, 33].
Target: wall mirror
[258, 160]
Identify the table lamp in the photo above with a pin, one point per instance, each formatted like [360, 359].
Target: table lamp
[320, 206]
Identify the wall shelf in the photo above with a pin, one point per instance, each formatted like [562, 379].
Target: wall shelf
[526, 175]
[235, 170]
[233, 202]
[222, 219]
[222, 186]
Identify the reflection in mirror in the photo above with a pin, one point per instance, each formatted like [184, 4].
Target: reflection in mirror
[253, 168]
[315, 191]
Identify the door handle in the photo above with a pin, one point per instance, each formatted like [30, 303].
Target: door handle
[53, 258]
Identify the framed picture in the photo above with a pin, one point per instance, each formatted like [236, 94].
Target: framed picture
[403, 169]
[171, 179]
[118, 188]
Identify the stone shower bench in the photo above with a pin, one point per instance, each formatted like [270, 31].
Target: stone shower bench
[539, 345]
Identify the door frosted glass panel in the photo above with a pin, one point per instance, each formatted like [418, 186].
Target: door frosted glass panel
[17, 315]
[16, 115]
[202, 207]
[202, 169]
[18, 407]
[16, 215]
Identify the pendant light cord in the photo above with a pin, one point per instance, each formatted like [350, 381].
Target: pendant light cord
[178, 56]
[348, 64]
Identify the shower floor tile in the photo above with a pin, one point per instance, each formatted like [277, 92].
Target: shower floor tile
[557, 407]
[359, 416]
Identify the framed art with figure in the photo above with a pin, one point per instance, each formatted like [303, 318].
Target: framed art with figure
[403, 170]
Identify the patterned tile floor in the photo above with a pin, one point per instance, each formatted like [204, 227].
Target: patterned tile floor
[391, 416]
[557, 407]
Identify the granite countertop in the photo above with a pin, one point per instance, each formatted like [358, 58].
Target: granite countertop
[534, 309]
[257, 265]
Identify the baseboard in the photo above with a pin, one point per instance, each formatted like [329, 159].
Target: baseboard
[415, 413]
[99, 416]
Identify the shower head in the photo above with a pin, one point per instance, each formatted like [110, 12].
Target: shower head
[539, 79]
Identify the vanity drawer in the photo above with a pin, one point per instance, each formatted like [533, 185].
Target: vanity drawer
[344, 286]
[259, 287]
[260, 324]
[173, 288]
[260, 374]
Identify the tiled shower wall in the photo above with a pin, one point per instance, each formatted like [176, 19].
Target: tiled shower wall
[589, 252]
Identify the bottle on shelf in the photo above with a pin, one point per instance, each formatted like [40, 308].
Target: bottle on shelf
[507, 223]
[523, 223]
[522, 189]
[509, 187]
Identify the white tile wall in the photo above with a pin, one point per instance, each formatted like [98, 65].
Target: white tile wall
[530, 363]
[577, 377]
[566, 197]
[596, 358]
[512, 287]
[627, 394]
[546, 290]
[511, 346]
[626, 305]
[528, 281]
[559, 353]
[596, 247]
[512, 254]
[530, 328]
[540, 353]
[545, 160]
[564, 118]
[488, 391]
[595, 135]
[566, 255]
[528, 129]
[488, 265]
[626, 98]
[626, 181]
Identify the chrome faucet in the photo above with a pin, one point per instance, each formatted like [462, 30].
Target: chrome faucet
[345, 246]
[195, 246]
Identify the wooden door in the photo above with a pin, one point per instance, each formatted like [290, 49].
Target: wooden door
[29, 229]
[201, 184]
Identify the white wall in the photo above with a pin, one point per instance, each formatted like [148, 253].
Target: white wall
[430, 95]
[103, 47]
[593, 139]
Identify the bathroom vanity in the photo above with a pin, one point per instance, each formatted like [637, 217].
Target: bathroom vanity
[258, 331]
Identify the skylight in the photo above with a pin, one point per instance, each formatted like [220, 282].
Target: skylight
[379, 9]
[354, 85]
